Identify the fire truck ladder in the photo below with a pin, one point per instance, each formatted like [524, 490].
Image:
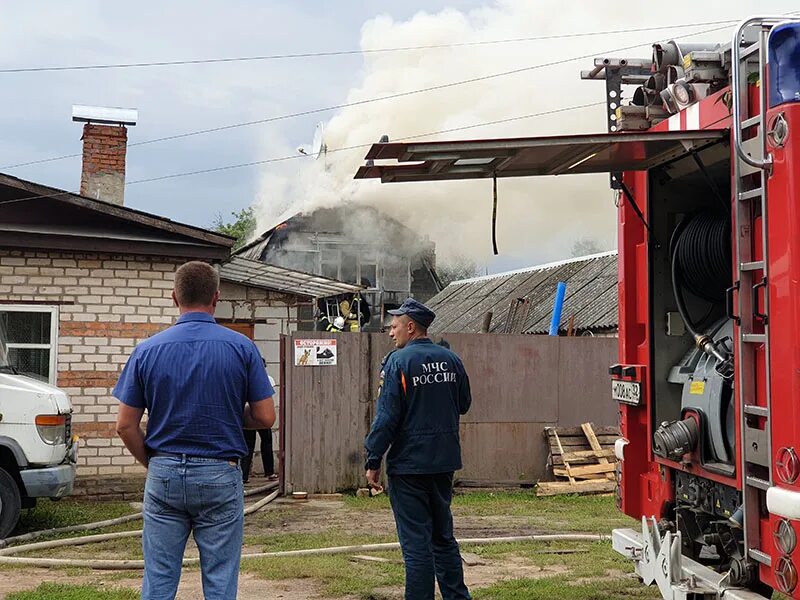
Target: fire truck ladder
[752, 165]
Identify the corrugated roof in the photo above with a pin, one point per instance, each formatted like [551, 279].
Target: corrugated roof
[591, 297]
[255, 273]
[255, 249]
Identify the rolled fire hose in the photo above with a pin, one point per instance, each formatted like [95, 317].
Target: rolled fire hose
[116, 564]
[108, 523]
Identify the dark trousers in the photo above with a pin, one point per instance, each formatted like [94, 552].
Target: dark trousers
[421, 505]
[266, 451]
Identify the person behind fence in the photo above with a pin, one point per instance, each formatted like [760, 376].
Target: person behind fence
[200, 384]
[424, 390]
[267, 458]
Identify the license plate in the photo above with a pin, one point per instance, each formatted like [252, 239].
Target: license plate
[628, 392]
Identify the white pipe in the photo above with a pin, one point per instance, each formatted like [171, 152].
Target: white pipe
[264, 488]
[76, 541]
[103, 537]
[111, 564]
[108, 523]
[261, 503]
[70, 529]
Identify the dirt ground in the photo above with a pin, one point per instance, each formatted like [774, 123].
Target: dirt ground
[287, 518]
[254, 588]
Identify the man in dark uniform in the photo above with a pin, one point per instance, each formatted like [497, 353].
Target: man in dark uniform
[424, 391]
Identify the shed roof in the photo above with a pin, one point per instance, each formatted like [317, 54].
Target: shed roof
[522, 301]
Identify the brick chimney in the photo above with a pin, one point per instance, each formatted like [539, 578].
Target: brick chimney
[105, 144]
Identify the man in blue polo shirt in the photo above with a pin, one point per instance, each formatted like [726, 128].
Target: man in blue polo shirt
[424, 390]
[200, 384]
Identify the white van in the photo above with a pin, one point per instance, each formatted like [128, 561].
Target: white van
[37, 451]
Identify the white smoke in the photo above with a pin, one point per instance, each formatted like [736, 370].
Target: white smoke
[538, 218]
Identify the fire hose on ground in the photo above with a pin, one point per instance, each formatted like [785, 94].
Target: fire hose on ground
[119, 564]
[110, 522]
[7, 552]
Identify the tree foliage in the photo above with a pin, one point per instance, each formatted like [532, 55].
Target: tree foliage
[585, 247]
[241, 227]
[455, 268]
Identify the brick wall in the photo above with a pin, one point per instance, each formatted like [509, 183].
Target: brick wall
[273, 315]
[107, 304]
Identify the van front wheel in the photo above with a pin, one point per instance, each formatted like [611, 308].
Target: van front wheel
[10, 504]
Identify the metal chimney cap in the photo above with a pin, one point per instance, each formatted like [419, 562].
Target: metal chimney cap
[104, 114]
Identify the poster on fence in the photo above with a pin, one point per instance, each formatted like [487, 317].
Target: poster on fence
[314, 353]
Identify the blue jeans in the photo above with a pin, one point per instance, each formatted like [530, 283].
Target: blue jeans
[202, 496]
[421, 506]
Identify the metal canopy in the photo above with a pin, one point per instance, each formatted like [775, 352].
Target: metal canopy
[255, 273]
[524, 157]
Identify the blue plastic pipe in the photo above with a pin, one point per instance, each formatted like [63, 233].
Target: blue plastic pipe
[561, 290]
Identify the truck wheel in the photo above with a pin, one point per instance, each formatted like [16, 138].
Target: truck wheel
[10, 504]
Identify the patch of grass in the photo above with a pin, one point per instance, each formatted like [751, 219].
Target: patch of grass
[51, 591]
[319, 539]
[49, 515]
[593, 559]
[121, 548]
[337, 575]
[591, 514]
[376, 504]
[563, 588]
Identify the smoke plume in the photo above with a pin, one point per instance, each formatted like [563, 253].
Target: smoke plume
[538, 218]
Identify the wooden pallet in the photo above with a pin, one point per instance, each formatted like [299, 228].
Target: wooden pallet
[584, 457]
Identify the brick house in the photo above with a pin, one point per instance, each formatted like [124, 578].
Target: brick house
[83, 280]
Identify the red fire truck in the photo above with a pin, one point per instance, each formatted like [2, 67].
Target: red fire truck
[705, 159]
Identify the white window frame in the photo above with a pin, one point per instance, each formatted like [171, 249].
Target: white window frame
[52, 346]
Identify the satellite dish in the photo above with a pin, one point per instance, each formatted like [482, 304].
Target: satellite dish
[318, 146]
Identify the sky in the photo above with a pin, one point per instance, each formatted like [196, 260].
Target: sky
[538, 220]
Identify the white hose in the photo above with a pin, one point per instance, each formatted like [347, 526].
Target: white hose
[249, 510]
[115, 564]
[70, 529]
[104, 537]
[76, 541]
[108, 523]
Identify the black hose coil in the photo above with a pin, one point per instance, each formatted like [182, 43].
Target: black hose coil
[703, 254]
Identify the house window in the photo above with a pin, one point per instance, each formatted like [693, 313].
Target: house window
[396, 274]
[299, 260]
[330, 270]
[349, 270]
[330, 260]
[368, 264]
[29, 335]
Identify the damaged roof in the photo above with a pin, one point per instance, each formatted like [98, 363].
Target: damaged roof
[254, 273]
[347, 220]
[522, 301]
